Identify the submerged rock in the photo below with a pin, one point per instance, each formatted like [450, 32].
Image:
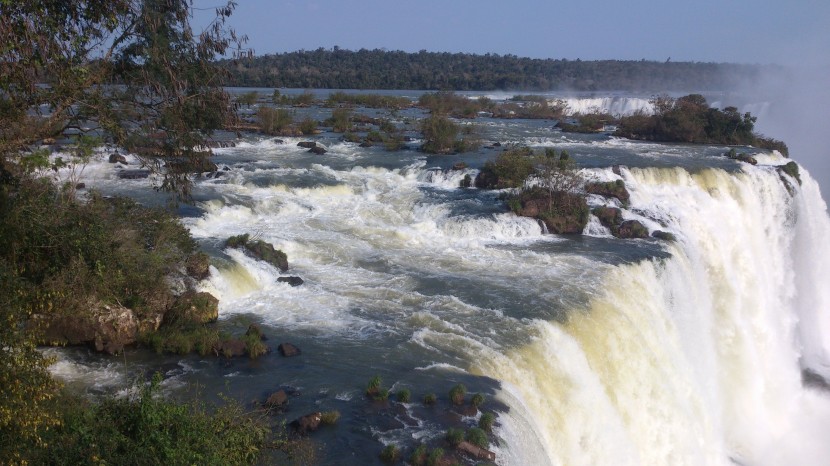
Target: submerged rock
[319, 150]
[138, 174]
[307, 144]
[198, 266]
[277, 400]
[663, 235]
[632, 229]
[308, 423]
[115, 157]
[288, 350]
[293, 281]
[260, 250]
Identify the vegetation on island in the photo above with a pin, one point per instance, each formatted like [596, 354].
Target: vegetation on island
[338, 68]
[690, 119]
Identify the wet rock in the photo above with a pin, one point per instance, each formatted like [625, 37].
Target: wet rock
[260, 250]
[466, 182]
[366, 144]
[254, 330]
[133, 174]
[288, 350]
[609, 189]
[319, 150]
[307, 144]
[663, 235]
[115, 157]
[293, 281]
[198, 266]
[193, 308]
[80, 186]
[496, 144]
[108, 328]
[308, 423]
[277, 400]
[230, 348]
[475, 451]
[632, 229]
[562, 213]
[459, 165]
[747, 159]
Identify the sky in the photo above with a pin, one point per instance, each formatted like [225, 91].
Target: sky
[794, 33]
[741, 31]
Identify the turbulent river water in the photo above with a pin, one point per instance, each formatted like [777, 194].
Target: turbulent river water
[591, 350]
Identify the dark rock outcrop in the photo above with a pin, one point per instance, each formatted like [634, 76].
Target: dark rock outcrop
[561, 212]
[133, 174]
[288, 350]
[115, 157]
[199, 163]
[108, 328]
[308, 423]
[663, 235]
[609, 189]
[293, 281]
[459, 165]
[198, 266]
[307, 144]
[476, 451]
[230, 348]
[791, 169]
[193, 308]
[260, 250]
[747, 159]
[632, 229]
[277, 400]
[609, 217]
[319, 150]
[255, 331]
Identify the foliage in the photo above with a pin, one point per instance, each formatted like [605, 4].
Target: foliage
[419, 456]
[404, 395]
[390, 454]
[430, 399]
[168, 96]
[439, 134]
[510, 169]
[338, 68]
[791, 169]
[486, 421]
[273, 120]
[435, 456]
[308, 126]
[457, 393]
[455, 436]
[477, 400]
[477, 437]
[374, 385]
[147, 429]
[341, 120]
[690, 119]
[369, 100]
[247, 99]
[329, 418]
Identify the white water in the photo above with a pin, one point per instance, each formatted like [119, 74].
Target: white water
[695, 359]
[618, 106]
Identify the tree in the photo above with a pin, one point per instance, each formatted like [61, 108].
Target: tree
[131, 71]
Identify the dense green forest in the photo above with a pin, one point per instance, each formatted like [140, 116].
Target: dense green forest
[379, 69]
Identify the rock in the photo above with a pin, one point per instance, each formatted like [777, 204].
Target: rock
[115, 157]
[277, 400]
[747, 159]
[308, 423]
[230, 348]
[459, 165]
[260, 250]
[288, 350]
[254, 330]
[365, 144]
[609, 189]
[563, 213]
[632, 229]
[616, 169]
[198, 163]
[307, 144]
[466, 182]
[277, 141]
[486, 179]
[293, 281]
[791, 169]
[109, 328]
[193, 308]
[476, 451]
[319, 150]
[80, 186]
[663, 235]
[133, 174]
[609, 217]
[198, 266]
[496, 144]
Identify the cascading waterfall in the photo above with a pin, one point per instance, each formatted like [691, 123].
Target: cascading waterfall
[694, 359]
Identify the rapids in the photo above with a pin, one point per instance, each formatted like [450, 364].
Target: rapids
[592, 350]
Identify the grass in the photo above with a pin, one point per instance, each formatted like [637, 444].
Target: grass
[477, 400]
[430, 399]
[404, 395]
[477, 437]
[390, 454]
[486, 421]
[329, 418]
[457, 394]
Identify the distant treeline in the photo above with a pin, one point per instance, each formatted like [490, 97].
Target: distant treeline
[379, 69]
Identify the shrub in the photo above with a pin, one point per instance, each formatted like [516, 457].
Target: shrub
[477, 437]
[435, 457]
[455, 436]
[374, 386]
[457, 394]
[510, 169]
[273, 120]
[390, 454]
[467, 181]
[308, 126]
[486, 421]
[404, 395]
[791, 168]
[477, 400]
[329, 417]
[254, 345]
[419, 456]
[341, 120]
[439, 134]
[430, 399]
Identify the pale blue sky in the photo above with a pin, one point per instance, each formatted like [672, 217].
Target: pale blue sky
[743, 31]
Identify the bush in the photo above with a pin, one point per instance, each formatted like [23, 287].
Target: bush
[510, 169]
[430, 399]
[477, 437]
[308, 126]
[477, 400]
[273, 120]
[486, 421]
[455, 436]
[390, 454]
[457, 394]
[329, 418]
[419, 456]
[404, 395]
[439, 134]
[373, 387]
[435, 457]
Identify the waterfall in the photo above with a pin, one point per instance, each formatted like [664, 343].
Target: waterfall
[694, 359]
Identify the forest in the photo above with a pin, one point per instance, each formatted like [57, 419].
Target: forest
[338, 68]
